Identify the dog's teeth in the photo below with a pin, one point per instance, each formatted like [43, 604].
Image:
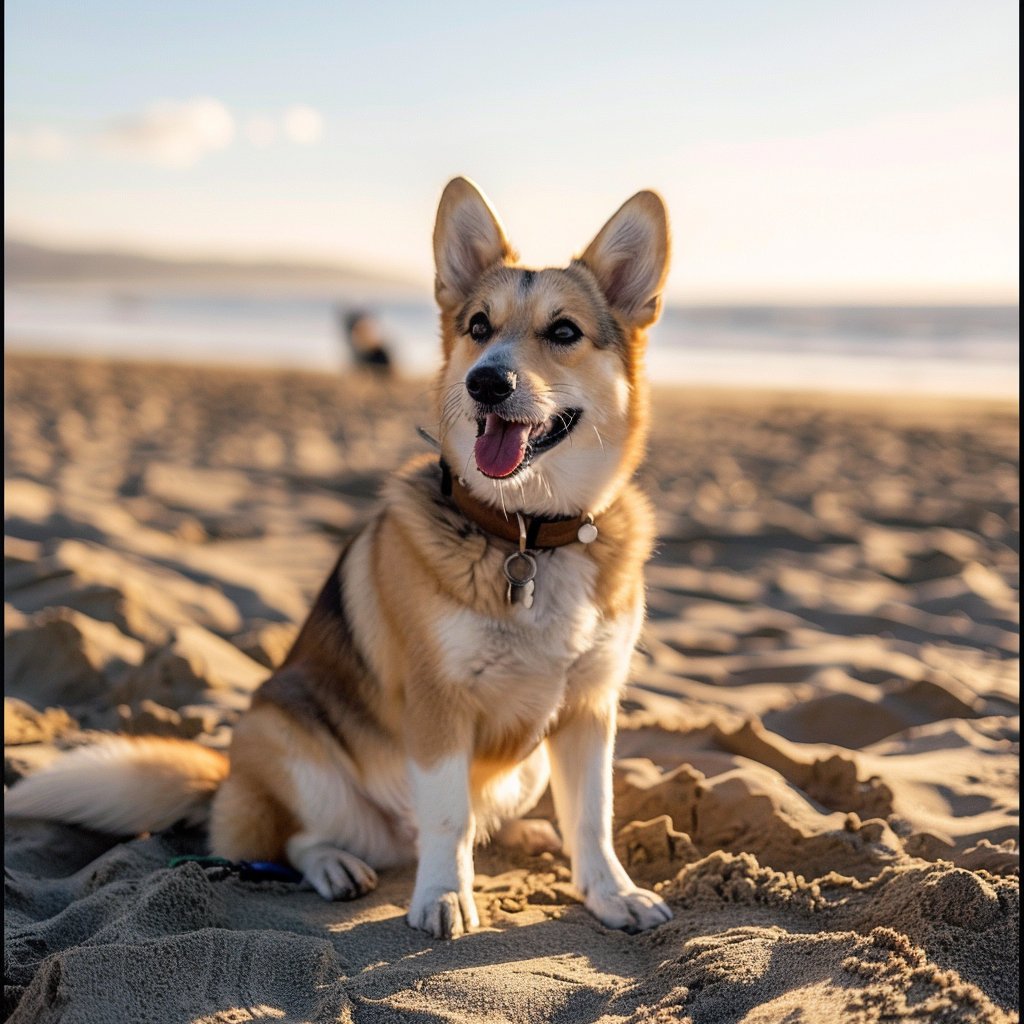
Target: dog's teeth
[542, 429]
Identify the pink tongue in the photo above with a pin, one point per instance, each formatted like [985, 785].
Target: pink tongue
[500, 449]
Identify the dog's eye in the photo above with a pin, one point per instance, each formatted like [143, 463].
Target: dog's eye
[480, 327]
[563, 332]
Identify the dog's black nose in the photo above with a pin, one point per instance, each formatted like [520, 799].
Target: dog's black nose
[490, 385]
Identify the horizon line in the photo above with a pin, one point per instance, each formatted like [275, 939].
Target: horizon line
[285, 259]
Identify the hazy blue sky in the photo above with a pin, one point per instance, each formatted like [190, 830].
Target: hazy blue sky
[814, 150]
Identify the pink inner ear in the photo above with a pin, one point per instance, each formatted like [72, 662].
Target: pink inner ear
[618, 280]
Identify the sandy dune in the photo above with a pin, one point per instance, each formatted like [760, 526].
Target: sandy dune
[817, 760]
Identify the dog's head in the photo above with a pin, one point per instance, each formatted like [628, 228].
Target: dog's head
[542, 395]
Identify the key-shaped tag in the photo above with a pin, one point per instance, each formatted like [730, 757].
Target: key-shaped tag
[520, 569]
[521, 594]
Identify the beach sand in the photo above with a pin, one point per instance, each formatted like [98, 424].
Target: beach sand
[817, 760]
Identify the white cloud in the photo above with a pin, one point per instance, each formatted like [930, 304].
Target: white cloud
[303, 125]
[39, 143]
[261, 130]
[171, 134]
[298, 124]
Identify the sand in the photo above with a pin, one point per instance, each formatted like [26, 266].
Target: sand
[817, 758]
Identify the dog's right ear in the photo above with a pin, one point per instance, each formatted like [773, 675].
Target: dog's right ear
[468, 238]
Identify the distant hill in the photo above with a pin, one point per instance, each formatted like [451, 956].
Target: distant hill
[28, 263]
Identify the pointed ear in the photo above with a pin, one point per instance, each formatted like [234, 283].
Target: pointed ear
[468, 238]
[629, 258]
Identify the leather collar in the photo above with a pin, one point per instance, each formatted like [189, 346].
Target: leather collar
[541, 532]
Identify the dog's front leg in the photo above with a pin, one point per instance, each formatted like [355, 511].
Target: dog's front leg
[442, 900]
[581, 777]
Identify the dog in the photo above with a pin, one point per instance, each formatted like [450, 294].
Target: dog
[473, 638]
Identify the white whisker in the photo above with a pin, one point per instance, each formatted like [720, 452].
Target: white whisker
[522, 493]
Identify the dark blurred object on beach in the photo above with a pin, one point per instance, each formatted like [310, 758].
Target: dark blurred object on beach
[366, 342]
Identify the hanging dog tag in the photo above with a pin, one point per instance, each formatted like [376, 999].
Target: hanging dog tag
[521, 595]
[520, 569]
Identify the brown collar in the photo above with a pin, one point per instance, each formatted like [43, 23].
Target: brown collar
[541, 532]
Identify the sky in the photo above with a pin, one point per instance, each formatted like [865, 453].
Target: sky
[808, 150]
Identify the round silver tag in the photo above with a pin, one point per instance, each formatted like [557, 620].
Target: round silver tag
[520, 568]
[587, 533]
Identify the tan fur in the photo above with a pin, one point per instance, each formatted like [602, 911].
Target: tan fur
[126, 785]
[412, 658]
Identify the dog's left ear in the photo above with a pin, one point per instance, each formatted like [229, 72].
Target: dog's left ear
[629, 258]
[468, 238]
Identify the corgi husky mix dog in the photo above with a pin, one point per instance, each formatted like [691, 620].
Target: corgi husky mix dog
[472, 640]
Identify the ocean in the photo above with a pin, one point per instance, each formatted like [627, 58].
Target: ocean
[968, 351]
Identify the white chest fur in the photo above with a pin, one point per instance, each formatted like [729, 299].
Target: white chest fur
[530, 652]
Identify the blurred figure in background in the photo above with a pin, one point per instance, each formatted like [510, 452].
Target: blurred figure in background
[366, 342]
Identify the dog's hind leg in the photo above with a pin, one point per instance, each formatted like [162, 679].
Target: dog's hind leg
[294, 784]
[531, 835]
[247, 822]
[342, 835]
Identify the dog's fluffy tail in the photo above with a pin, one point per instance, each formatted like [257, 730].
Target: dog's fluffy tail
[125, 785]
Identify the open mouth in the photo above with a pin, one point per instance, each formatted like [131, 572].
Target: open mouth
[504, 447]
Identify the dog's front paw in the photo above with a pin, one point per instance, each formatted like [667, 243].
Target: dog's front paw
[444, 914]
[634, 910]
